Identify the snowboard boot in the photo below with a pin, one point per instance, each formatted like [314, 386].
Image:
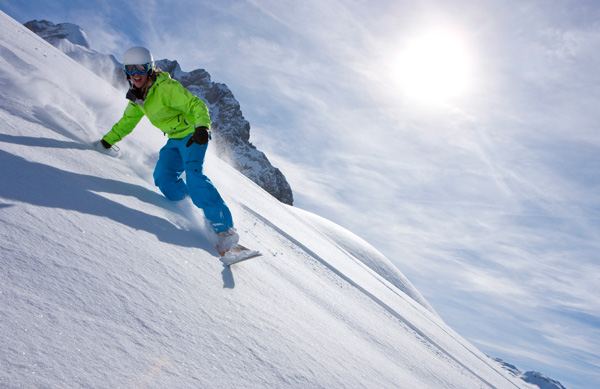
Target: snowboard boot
[226, 240]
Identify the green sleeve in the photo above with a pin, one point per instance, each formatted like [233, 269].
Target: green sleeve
[131, 117]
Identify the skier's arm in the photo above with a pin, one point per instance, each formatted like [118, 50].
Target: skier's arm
[200, 111]
[131, 117]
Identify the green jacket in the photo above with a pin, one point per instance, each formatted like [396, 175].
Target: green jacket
[168, 106]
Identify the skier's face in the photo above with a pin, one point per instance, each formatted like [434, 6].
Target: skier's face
[139, 79]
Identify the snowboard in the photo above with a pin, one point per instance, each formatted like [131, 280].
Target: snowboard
[238, 254]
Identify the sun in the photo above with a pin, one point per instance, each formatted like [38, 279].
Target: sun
[434, 67]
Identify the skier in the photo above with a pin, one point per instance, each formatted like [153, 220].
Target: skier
[184, 118]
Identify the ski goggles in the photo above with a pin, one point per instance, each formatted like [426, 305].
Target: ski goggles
[139, 69]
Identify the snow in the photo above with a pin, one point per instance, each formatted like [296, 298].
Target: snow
[107, 284]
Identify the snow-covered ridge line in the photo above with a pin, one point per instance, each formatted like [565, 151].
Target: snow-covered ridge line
[533, 377]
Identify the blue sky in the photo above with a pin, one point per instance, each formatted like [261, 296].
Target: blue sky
[459, 138]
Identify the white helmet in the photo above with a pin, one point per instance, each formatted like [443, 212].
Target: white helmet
[138, 56]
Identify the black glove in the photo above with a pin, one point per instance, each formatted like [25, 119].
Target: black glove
[200, 136]
[105, 144]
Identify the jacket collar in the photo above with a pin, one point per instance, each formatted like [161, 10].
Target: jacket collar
[136, 95]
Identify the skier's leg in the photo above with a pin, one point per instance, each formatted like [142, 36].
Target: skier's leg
[168, 170]
[202, 191]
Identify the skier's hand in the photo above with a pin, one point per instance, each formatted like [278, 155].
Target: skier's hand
[105, 148]
[201, 136]
[105, 144]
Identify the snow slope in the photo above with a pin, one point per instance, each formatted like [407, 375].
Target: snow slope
[107, 284]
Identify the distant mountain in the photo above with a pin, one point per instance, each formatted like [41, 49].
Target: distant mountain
[532, 377]
[56, 34]
[72, 40]
[231, 132]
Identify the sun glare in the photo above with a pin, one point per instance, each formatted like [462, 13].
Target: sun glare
[434, 67]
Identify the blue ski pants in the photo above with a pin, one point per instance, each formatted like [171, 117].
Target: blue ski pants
[174, 159]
